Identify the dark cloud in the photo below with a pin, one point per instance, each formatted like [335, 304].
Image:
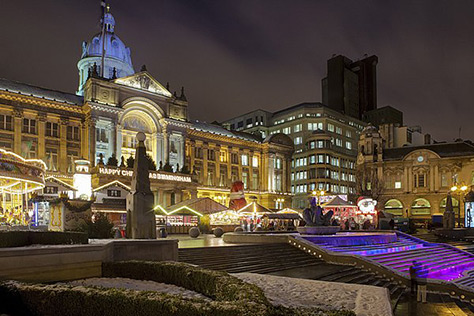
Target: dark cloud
[235, 56]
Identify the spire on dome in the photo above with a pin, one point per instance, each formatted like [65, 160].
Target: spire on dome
[107, 18]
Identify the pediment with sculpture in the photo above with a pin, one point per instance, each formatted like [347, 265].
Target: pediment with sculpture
[144, 81]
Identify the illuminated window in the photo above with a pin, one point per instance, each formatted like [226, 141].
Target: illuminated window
[338, 142]
[114, 193]
[330, 127]
[245, 160]
[255, 161]
[339, 130]
[287, 130]
[348, 145]
[223, 156]
[298, 140]
[50, 190]
[298, 128]
[398, 185]
[278, 163]
[245, 179]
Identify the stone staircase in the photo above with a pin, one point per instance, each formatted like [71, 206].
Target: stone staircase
[284, 260]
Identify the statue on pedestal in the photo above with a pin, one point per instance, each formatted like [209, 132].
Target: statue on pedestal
[140, 214]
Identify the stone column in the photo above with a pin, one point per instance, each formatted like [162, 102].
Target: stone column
[217, 155]
[91, 129]
[432, 177]
[113, 136]
[62, 156]
[229, 167]
[436, 178]
[118, 142]
[166, 156]
[204, 165]
[17, 125]
[41, 135]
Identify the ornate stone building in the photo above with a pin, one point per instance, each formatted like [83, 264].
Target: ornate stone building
[193, 158]
[414, 181]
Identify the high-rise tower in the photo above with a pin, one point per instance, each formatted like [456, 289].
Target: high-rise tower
[351, 87]
[117, 55]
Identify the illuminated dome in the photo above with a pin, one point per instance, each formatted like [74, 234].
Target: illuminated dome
[117, 55]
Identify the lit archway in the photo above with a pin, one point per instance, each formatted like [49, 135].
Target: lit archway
[141, 115]
[421, 206]
[394, 207]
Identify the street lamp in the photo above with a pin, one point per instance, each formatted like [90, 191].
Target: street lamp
[317, 195]
[459, 189]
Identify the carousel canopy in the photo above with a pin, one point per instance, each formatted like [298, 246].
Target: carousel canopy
[338, 202]
[197, 206]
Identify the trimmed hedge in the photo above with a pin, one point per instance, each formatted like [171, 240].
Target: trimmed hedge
[26, 238]
[231, 296]
[217, 285]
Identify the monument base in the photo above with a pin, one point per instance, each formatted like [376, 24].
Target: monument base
[318, 230]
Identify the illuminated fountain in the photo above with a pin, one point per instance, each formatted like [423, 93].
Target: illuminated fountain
[19, 177]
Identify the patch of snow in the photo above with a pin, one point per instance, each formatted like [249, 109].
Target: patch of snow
[364, 300]
[138, 285]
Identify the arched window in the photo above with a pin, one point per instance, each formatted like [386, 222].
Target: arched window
[420, 206]
[394, 207]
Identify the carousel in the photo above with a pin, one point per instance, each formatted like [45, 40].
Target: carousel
[19, 178]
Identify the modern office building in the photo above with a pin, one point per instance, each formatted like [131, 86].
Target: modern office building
[351, 87]
[325, 146]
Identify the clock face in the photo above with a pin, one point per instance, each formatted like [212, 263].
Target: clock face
[420, 158]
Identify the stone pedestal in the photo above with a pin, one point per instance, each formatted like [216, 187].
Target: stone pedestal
[141, 222]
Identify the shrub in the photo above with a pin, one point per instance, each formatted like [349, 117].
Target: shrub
[26, 238]
[232, 296]
[53, 300]
[100, 227]
[217, 285]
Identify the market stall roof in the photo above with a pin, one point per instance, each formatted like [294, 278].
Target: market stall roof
[282, 216]
[338, 202]
[254, 207]
[198, 206]
[288, 211]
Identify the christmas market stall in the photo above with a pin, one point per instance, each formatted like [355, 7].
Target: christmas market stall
[344, 212]
[283, 220]
[179, 217]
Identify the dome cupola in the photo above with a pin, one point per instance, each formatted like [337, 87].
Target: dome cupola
[116, 55]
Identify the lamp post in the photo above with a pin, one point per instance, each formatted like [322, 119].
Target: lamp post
[460, 189]
[317, 195]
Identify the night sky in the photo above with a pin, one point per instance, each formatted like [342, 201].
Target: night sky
[237, 56]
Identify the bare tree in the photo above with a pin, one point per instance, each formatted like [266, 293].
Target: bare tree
[368, 183]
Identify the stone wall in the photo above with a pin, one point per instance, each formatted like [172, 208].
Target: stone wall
[60, 263]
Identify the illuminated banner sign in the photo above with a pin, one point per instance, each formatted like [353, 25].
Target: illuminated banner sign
[153, 174]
